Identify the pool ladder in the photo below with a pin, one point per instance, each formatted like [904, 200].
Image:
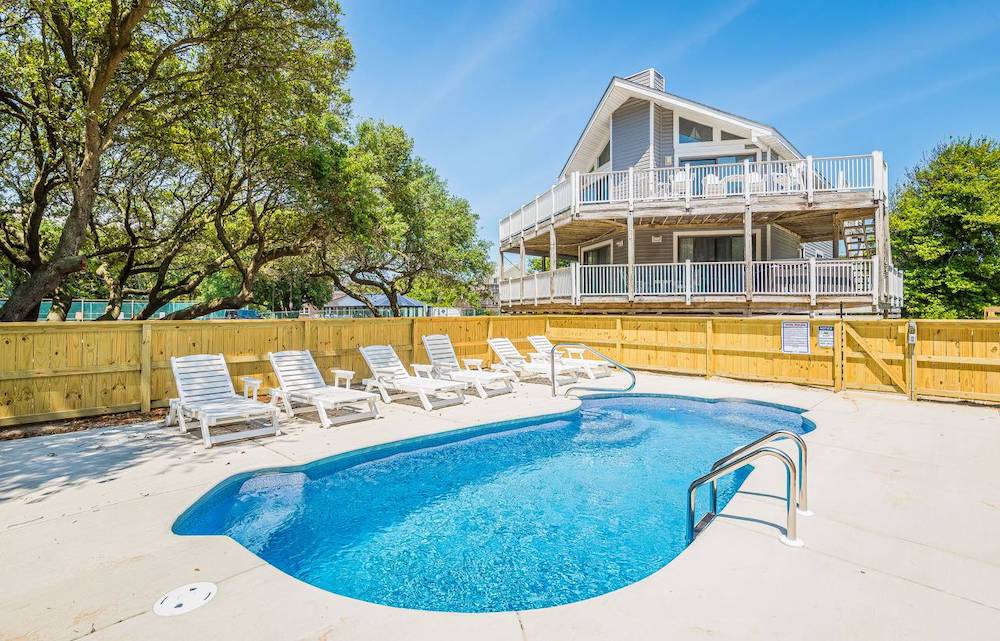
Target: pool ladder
[796, 483]
[554, 358]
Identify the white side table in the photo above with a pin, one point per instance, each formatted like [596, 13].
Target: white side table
[342, 374]
[251, 385]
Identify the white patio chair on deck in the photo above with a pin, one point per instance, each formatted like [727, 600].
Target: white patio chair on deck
[444, 360]
[388, 374]
[514, 362]
[206, 395]
[301, 383]
[592, 367]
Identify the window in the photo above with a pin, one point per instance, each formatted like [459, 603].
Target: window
[710, 249]
[599, 255]
[605, 156]
[691, 131]
[728, 136]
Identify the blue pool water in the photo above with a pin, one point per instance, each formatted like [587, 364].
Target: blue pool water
[508, 516]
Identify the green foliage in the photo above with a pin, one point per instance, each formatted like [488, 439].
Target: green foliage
[413, 236]
[946, 231]
[541, 263]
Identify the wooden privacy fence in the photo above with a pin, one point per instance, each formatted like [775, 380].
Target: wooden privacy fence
[52, 371]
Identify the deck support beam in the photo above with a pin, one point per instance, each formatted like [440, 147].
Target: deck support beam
[748, 252]
[553, 262]
[522, 265]
[630, 241]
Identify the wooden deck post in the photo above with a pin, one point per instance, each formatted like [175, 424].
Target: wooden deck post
[630, 240]
[522, 266]
[145, 367]
[748, 252]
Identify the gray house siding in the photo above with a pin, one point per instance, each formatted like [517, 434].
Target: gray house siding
[648, 78]
[784, 244]
[646, 251]
[817, 249]
[663, 137]
[630, 135]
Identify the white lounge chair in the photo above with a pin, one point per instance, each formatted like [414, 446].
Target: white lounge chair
[445, 363]
[520, 367]
[206, 395]
[388, 374]
[592, 367]
[301, 383]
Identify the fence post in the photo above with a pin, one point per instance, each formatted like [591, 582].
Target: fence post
[618, 338]
[911, 353]
[145, 367]
[709, 354]
[415, 340]
[838, 356]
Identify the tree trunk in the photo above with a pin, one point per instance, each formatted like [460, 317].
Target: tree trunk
[62, 300]
[65, 259]
[113, 310]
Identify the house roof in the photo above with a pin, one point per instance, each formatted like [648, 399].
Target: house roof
[378, 300]
[619, 90]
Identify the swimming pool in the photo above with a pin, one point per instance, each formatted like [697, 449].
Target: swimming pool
[507, 516]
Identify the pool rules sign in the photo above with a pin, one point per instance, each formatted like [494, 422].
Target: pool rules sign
[795, 337]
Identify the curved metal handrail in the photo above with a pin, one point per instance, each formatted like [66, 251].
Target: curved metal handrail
[803, 493]
[791, 530]
[552, 366]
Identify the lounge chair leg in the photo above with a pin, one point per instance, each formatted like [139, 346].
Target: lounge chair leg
[181, 423]
[373, 408]
[274, 422]
[288, 405]
[205, 435]
[481, 390]
[426, 402]
[171, 412]
[324, 420]
[461, 395]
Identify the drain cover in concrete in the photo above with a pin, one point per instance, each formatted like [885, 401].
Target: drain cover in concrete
[184, 599]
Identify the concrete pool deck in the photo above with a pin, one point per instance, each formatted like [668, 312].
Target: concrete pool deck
[905, 542]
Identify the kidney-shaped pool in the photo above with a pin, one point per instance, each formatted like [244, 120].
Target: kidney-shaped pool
[507, 516]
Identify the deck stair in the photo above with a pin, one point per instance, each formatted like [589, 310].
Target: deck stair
[859, 238]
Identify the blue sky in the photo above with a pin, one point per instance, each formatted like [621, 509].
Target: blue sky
[496, 94]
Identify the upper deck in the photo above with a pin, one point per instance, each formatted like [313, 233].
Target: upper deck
[822, 185]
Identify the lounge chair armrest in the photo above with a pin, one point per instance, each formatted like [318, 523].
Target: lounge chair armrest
[540, 357]
[251, 385]
[473, 363]
[423, 370]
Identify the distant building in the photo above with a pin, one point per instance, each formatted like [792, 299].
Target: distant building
[342, 305]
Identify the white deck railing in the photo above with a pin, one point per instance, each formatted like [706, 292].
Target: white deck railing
[800, 177]
[773, 278]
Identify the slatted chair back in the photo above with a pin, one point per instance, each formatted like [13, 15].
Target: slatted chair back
[440, 350]
[296, 370]
[506, 350]
[202, 378]
[382, 361]
[542, 344]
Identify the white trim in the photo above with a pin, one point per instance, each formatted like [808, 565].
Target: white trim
[586, 248]
[715, 232]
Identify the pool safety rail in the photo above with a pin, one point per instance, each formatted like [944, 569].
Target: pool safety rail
[731, 463]
[802, 503]
[554, 358]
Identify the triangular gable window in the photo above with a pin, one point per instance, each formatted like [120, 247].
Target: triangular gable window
[691, 131]
[728, 136]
